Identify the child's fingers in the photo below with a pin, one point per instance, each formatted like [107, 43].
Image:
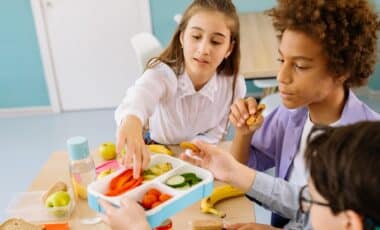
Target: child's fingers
[120, 142]
[242, 107]
[233, 120]
[130, 150]
[128, 202]
[251, 105]
[105, 219]
[191, 160]
[146, 157]
[107, 207]
[238, 117]
[136, 165]
[204, 147]
[235, 111]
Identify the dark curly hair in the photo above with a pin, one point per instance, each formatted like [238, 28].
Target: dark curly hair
[344, 166]
[347, 30]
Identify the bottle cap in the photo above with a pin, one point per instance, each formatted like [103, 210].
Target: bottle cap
[78, 148]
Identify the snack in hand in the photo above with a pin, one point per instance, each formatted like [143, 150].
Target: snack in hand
[188, 145]
[253, 118]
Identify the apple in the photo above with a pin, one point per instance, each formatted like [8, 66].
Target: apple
[107, 151]
[105, 173]
[57, 201]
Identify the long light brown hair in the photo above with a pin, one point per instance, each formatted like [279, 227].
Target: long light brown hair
[173, 55]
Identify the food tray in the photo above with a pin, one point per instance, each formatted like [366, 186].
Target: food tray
[181, 198]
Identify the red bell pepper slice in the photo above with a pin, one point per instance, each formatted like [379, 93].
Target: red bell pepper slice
[132, 183]
[119, 180]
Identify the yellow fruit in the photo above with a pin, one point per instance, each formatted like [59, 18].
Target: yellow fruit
[56, 201]
[155, 148]
[107, 151]
[218, 194]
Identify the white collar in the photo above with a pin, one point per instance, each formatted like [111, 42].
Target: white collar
[186, 87]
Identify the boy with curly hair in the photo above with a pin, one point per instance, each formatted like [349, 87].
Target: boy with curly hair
[326, 48]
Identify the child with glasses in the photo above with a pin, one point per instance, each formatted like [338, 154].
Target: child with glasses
[344, 185]
[344, 182]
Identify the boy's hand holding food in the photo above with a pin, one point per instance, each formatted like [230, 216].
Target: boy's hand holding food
[246, 115]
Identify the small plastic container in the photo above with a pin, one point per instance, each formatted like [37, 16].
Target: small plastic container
[30, 207]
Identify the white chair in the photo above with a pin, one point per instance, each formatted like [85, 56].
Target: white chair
[146, 46]
[177, 18]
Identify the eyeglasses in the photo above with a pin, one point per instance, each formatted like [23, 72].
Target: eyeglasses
[306, 201]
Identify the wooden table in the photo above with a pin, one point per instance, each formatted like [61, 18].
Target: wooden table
[56, 168]
[259, 46]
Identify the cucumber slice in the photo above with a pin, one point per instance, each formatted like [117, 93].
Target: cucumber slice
[176, 181]
[186, 186]
[194, 181]
[189, 176]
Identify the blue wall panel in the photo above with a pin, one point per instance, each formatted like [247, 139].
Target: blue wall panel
[22, 82]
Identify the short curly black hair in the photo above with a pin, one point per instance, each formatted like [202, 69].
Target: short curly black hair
[347, 30]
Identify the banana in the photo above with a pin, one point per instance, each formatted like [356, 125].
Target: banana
[218, 194]
[155, 148]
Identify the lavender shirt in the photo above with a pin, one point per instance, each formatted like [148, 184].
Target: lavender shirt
[276, 143]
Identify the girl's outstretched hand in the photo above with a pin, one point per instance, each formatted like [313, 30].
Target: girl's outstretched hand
[221, 163]
[241, 110]
[130, 215]
[130, 139]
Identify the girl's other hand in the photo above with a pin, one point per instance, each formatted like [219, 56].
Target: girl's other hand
[241, 110]
[130, 215]
[130, 139]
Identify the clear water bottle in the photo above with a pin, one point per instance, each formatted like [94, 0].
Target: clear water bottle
[82, 167]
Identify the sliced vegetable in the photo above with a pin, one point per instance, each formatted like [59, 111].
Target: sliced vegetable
[176, 181]
[183, 181]
[153, 197]
[122, 183]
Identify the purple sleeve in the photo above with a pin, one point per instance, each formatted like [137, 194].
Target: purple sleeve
[266, 142]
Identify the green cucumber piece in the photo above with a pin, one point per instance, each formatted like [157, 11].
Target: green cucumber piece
[176, 181]
[186, 186]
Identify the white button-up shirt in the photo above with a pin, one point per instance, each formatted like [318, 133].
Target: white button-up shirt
[175, 110]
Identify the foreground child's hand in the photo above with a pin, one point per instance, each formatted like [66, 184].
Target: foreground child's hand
[129, 136]
[241, 111]
[130, 215]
